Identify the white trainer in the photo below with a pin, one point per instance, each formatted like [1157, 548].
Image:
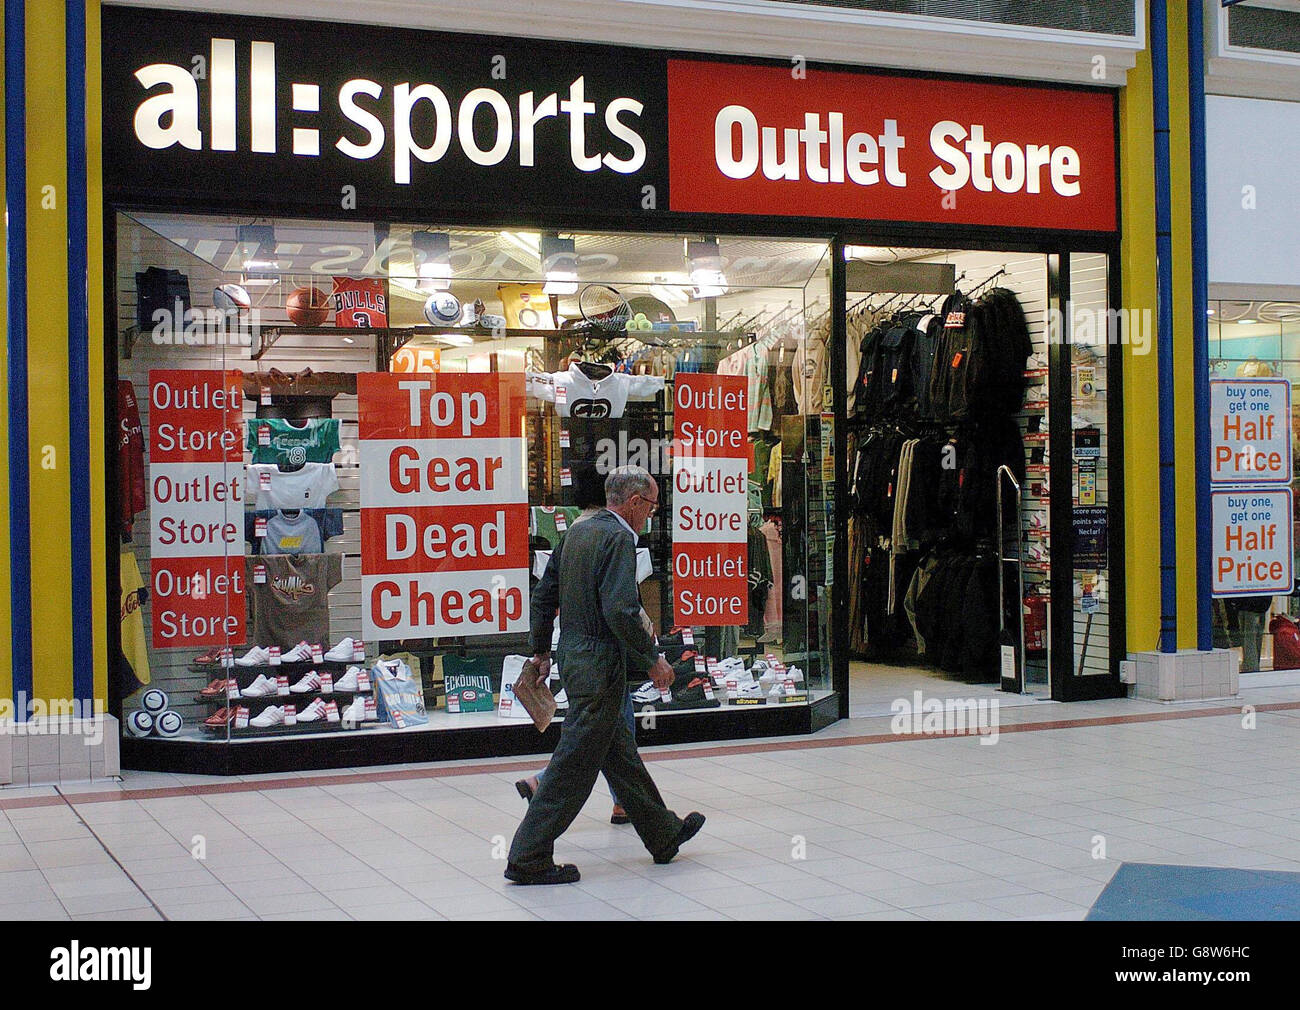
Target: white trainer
[348, 682]
[343, 652]
[310, 682]
[262, 687]
[300, 653]
[750, 689]
[315, 712]
[256, 656]
[354, 714]
[272, 715]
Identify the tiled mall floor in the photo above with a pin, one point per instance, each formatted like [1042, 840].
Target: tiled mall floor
[848, 824]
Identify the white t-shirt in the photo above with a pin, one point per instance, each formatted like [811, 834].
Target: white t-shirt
[294, 489]
[584, 396]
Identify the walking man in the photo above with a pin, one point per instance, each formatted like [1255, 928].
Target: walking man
[601, 638]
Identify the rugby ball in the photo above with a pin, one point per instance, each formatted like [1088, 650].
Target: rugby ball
[442, 308]
[153, 701]
[139, 723]
[231, 298]
[307, 306]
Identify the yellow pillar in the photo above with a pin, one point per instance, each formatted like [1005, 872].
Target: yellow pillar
[1141, 421]
[47, 352]
[1141, 417]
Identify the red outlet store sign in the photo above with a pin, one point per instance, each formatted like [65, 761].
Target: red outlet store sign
[196, 507]
[757, 139]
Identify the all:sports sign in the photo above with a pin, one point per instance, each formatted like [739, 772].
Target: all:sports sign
[297, 112]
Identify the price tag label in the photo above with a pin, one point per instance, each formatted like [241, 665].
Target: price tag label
[291, 715]
[363, 681]
[564, 439]
[259, 574]
[700, 666]
[331, 711]
[266, 396]
[708, 691]
[232, 688]
[282, 684]
[561, 524]
[561, 396]
[259, 527]
[263, 434]
[666, 696]
[566, 478]
[241, 717]
[688, 636]
[264, 481]
[372, 710]
[227, 657]
[326, 683]
[358, 650]
[275, 655]
[317, 654]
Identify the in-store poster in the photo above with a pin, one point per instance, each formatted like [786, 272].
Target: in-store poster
[196, 507]
[710, 500]
[444, 505]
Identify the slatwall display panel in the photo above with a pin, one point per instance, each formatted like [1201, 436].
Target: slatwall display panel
[1089, 294]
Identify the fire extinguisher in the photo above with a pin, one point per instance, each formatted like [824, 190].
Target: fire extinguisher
[1286, 643]
[1035, 622]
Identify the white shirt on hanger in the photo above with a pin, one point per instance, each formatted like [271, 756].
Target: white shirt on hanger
[584, 396]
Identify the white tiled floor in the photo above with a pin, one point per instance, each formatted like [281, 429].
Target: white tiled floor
[1031, 827]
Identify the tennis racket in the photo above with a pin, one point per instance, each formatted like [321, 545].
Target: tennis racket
[604, 308]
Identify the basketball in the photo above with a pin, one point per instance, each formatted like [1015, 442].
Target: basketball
[307, 307]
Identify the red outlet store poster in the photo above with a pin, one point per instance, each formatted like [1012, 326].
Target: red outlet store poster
[196, 507]
[444, 505]
[710, 500]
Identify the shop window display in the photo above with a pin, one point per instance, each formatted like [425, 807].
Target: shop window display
[348, 452]
[1259, 339]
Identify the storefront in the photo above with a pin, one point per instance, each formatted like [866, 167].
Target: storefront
[1254, 326]
[387, 305]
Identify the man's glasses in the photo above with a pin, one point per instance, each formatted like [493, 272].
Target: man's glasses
[654, 505]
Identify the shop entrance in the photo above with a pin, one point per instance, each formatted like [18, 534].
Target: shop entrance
[965, 370]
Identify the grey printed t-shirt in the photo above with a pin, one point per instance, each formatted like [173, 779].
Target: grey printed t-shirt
[299, 534]
[292, 604]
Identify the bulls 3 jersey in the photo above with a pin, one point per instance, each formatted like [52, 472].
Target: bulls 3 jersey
[359, 302]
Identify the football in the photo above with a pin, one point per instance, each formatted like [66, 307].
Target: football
[153, 701]
[168, 724]
[442, 308]
[307, 306]
[231, 298]
[139, 723]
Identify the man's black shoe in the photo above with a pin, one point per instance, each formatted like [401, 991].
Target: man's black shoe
[690, 828]
[561, 873]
